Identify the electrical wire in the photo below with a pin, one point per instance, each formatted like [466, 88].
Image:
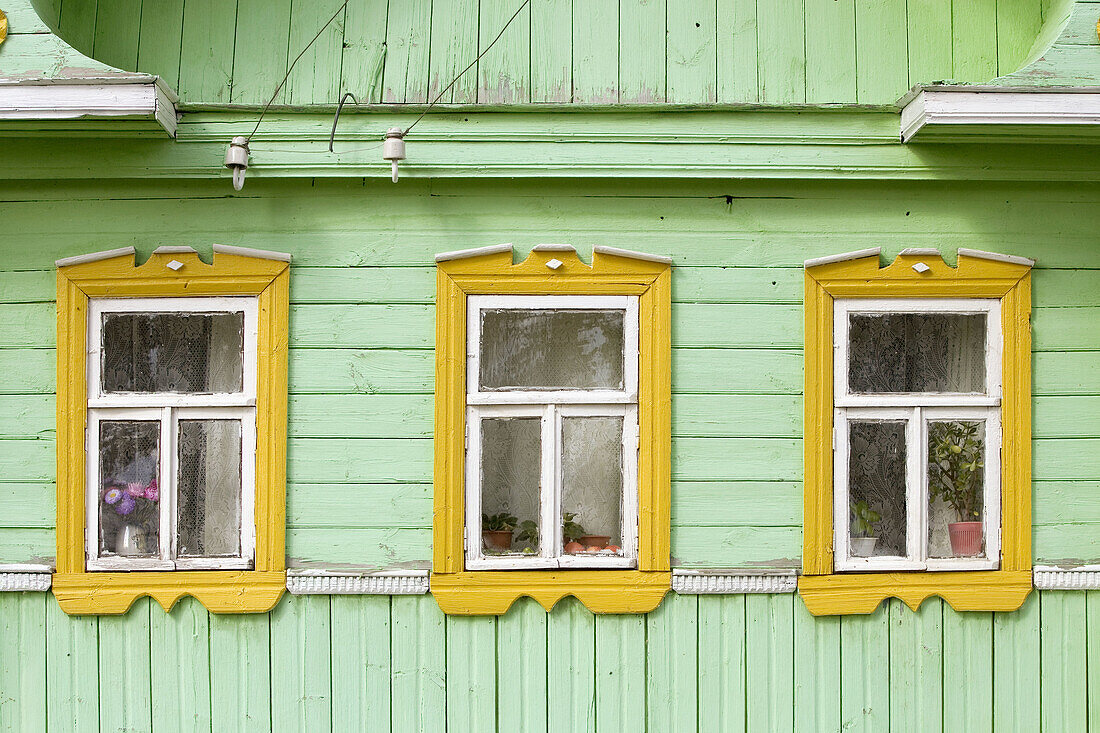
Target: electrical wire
[290, 68]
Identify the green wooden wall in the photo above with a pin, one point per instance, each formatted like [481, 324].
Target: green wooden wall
[779, 52]
[362, 327]
[698, 663]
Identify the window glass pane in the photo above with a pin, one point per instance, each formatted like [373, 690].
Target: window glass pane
[129, 493]
[551, 349]
[208, 509]
[956, 484]
[916, 352]
[173, 352]
[592, 485]
[510, 477]
[876, 488]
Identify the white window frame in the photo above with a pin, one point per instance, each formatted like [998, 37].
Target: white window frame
[168, 409]
[550, 406]
[916, 410]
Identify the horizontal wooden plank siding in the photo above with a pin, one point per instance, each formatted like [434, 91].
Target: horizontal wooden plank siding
[595, 51]
[362, 331]
[697, 663]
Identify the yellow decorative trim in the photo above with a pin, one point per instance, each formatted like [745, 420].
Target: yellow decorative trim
[458, 591]
[81, 592]
[601, 591]
[974, 277]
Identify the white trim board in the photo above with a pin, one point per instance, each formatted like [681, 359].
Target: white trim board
[59, 101]
[25, 581]
[717, 581]
[394, 584]
[992, 112]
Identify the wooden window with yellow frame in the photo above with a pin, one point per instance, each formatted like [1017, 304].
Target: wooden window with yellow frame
[171, 429]
[616, 404]
[918, 376]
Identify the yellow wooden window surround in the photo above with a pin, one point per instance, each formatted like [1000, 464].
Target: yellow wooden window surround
[977, 275]
[491, 271]
[235, 271]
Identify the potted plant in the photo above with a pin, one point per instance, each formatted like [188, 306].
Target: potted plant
[864, 520]
[496, 530]
[528, 536]
[955, 470]
[571, 533]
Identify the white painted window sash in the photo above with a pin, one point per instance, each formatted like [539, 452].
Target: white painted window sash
[844, 307]
[917, 410]
[168, 409]
[551, 407]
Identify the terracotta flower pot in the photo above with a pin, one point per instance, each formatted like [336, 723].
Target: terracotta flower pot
[598, 540]
[966, 538]
[574, 547]
[863, 546]
[498, 539]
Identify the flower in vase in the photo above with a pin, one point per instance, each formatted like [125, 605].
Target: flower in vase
[135, 488]
[112, 495]
[126, 505]
[152, 491]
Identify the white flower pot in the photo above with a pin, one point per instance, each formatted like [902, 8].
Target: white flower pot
[863, 546]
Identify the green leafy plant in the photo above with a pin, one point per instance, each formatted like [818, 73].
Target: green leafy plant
[528, 533]
[503, 522]
[570, 530]
[864, 519]
[955, 467]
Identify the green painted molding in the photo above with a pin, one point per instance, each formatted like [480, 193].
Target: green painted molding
[1067, 52]
[721, 145]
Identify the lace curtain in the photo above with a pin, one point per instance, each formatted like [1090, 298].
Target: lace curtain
[876, 478]
[916, 352]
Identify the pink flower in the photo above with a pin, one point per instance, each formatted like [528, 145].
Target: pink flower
[113, 495]
[135, 488]
[152, 491]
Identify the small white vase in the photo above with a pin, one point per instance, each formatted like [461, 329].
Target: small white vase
[129, 540]
[863, 546]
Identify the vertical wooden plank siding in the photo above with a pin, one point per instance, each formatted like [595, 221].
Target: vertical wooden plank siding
[781, 49]
[930, 35]
[240, 672]
[620, 673]
[261, 65]
[471, 673]
[691, 52]
[453, 46]
[721, 663]
[72, 670]
[504, 73]
[595, 51]
[405, 75]
[77, 24]
[1018, 24]
[160, 44]
[301, 682]
[1062, 682]
[974, 39]
[916, 667]
[738, 79]
[206, 58]
[967, 671]
[570, 667]
[364, 50]
[22, 661]
[641, 71]
[865, 655]
[769, 651]
[180, 665]
[817, 679]
[361, 663]
[551, 51]
[881, 55]
[124, 669]
[418, 689]
[521, 668]
[316, 77]
[1016, 668]
[830, 50]
[672, 664]
[118, 28]
[1092, 659]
